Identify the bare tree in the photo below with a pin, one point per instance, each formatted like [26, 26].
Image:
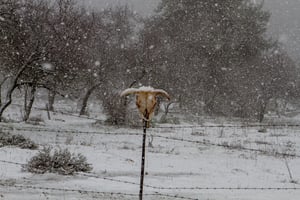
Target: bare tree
[114, 54]
[271, 77]
[27, 42]
[72, 27]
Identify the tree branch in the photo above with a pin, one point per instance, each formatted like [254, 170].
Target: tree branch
[40, 85]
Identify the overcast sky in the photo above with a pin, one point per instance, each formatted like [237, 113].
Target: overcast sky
[284, 23]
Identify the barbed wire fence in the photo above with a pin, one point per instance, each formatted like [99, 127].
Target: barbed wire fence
[155, 193]
[81, 191]
[201, 142]
[242, 125]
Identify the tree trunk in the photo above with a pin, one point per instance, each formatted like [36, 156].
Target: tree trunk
[8, 99]
[210, 103]
[51, 99]
[261, 116]
[0, 95]
[2, 82]
[209, 107]
[14, 84]
[167, 108]
[86, 98]
[25, 97]
[29, 106]
[262, 110]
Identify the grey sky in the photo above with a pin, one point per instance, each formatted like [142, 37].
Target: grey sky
[284, 22]
[143, 7]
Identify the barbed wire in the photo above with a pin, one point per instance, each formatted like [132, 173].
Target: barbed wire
[69, 131]
[69, 190]
[230, 188]
[188, 188]
[172, 196]
[228, 126]
[81, 191]
[155, 187]
[203, 142]
[11, 162]
[179, 126]
[97, 132]
[207, 142]
[93, 175]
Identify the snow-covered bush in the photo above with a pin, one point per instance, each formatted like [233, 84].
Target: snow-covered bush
[169, 120]
[115, 108]
[36, 120]
[60, 161]
[6, 139]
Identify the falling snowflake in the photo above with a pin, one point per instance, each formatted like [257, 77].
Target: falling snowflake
[97, 63]
[47, 66]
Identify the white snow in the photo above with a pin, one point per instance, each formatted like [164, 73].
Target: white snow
[48, 66]
[115, 155]
[97, 63]
[134, 90]
[142, 89]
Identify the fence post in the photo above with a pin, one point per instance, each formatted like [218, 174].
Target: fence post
[48, 112]
[143, 160]
[145, 101]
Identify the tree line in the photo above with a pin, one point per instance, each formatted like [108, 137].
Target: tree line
[213, 56]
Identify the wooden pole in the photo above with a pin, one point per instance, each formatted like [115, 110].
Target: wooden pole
[48, 112]
[143, 160]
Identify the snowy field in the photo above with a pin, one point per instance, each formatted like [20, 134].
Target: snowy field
[209, 161]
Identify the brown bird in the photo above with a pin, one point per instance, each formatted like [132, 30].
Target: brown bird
[146, 100]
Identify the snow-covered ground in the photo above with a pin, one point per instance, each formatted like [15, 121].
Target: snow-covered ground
[184, 161]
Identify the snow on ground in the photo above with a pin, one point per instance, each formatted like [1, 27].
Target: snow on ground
[173, 167]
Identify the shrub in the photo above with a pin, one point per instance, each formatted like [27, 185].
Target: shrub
[61, 162]
[36, 120]
[169, 120]
[7, 139]
[115, 108]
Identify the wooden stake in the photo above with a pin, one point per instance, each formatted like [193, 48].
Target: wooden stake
[290, 173]
[48, 112]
